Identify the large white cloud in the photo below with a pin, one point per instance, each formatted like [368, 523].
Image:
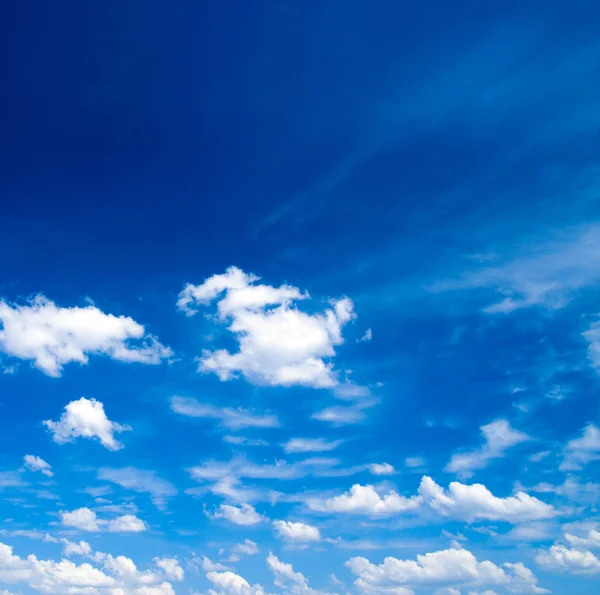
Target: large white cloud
[296, 531]
[278, 344]
[499, 436]
[86, 519]
[452, 567]
[85, 418]
[563, 559]
[52, 336]
[109, 575]
[473, 502]
[234, 419]
[365, 500]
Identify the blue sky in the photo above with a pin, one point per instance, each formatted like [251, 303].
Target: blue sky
[300, 298]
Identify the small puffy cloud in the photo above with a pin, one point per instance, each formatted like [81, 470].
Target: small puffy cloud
[141, 481]
[296, 532]
[295, 445]
[234, 419]
[34, 463]
[278, 344]
[560, 558]
[580, 451]
[230, 583]
[85, 519]
[381, 469]
[249, 548]
[499, 436]
[86, 418]
[245, 514]
[52, 336]
[476, 502]
[456, 566]
[365, 500]
[170, 567]
[71, 548]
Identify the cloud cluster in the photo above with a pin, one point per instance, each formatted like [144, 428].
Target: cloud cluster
[278, 344]
[86, 519]
[52, 336]
[297, 532]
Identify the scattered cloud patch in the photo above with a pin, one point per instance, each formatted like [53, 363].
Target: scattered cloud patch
[296, 532]
[381, 469]
[580, 451]
[85, 519]
[301, 445]
[244, 515]
[34, 463]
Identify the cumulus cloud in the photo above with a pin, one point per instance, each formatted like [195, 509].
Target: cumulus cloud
[230, 583]
[245, 514]
[381, 469]
[296, 532]
[278, 344]
[52, 336]
[34, 463]
[590, 541]
[141, 481]
[560, 558]
[86, 418]
[248, 548]
[85, 519]
[234, 419]
[580, 451]
[295, 445]
[499, 436]
[109, 576]
[71, 548]
[475, 502]
[455, 566]
[365, 500]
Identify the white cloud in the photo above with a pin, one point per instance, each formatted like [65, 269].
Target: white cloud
[279, 345]
[85, 519]
[580, 451]
[243, 441]
[295, 445]
[297, 532]
[367, 336]
[591, 541]
[86, 418]
[340, 415]
[70, 548]
[473, 502]
[245, 514]
[231, 583]
[592, 336]
[234, 419]
[170, 567]
[381, 469]
[249, 548]
[142, 481]
[365, 500]
[208, 565]
[113, 575]
[52, 336]
[34, 463]
[414, 462]
[499, 436]
[456, 566]
[563, 559]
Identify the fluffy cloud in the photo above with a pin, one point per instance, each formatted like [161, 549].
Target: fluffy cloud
[473, 502]
[85, 519]
[365, 500]
[52, 336]
[170, 567]
[34, 463]
[580, 451]
[70, 548]
[295, 445]
[499, 436]
[230, 583]
[249, 548]
[112, 575]
[86, 418]
[381, 469]
[563, 559]
[234, 419]
[245, 514]
[279, 345]
[454, 566]
[142, 481]
[591, 541]
[297, 532]
[292, 582]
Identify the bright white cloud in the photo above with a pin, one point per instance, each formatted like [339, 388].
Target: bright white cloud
[455, 566]
[381, 469]
[85, 519]
[86, 418]
[279, 345]
[234, 419]
[249, 548]
[170, 567]
[34, 463]
[70, 548]
[141, 481]
[473, 502]
[245, 514]
[563, 559]
[591, 541]
[295, 445]
[52, 336]
[365, 500]
[499, 436]
[111, 576]
[580, 451]
[296, 532]
[230, 583]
